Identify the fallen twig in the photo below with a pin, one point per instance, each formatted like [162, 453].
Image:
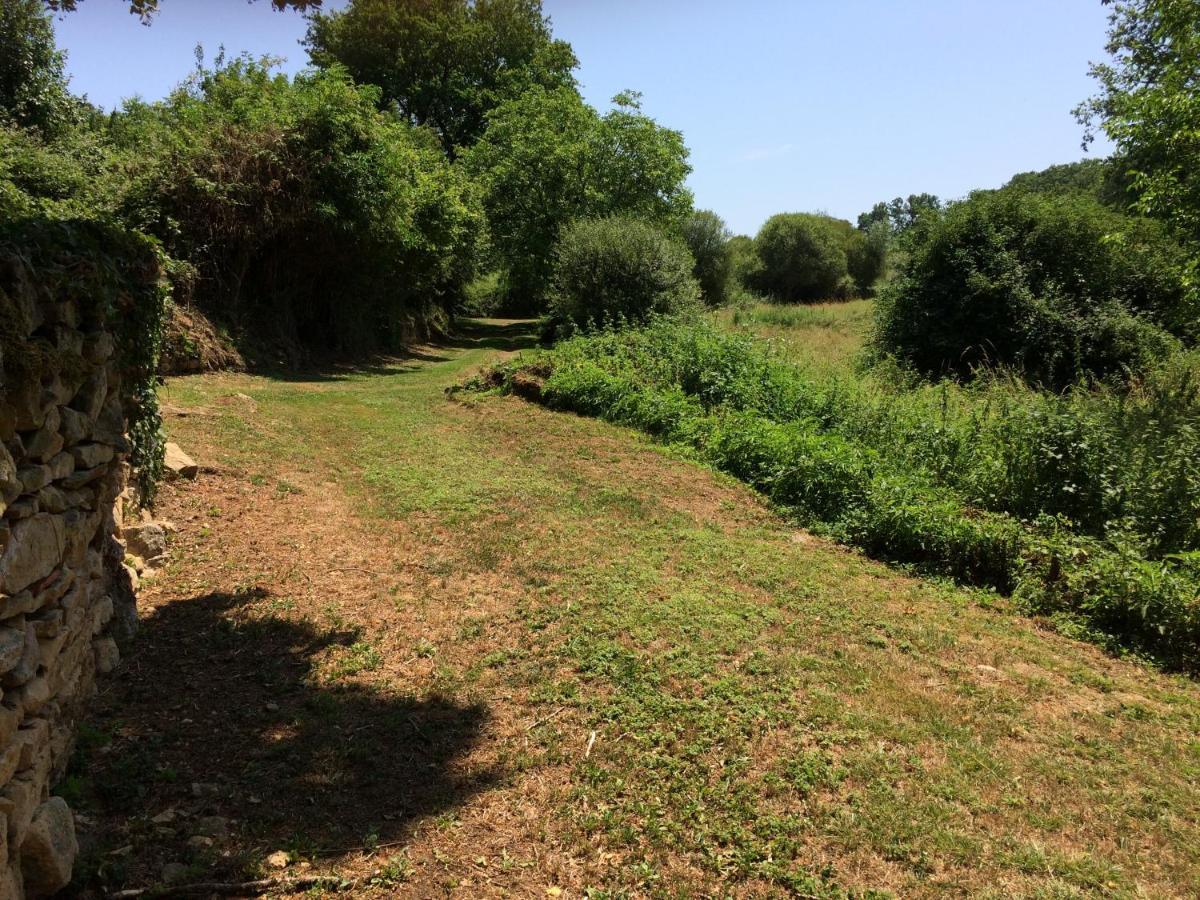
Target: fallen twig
[544, 719]
[233, 889]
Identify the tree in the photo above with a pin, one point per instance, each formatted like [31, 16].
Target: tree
[547, 158]
[310, 218]
[900, 214]
[707, 237]
[33, 86]
[1149, 105]
[620, 270]
[533, 163]
[444, 63]
[803, 257]
[1056, 285]
[145, 9]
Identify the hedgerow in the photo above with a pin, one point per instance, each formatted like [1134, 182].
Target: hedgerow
[830, 456]
[114, 275]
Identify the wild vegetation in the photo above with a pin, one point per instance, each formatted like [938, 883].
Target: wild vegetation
[692, 691]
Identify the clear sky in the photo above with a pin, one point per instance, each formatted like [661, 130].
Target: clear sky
[787, 105]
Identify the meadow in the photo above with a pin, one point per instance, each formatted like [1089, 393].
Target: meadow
[1083, 503]
[470, 646]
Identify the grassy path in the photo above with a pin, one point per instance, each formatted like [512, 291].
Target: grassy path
[471, 647]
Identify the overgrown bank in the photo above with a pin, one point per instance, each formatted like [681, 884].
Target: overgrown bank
[1084, 506]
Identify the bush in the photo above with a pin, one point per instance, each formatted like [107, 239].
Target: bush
[909, 477]
[706, 236]
[866, 256]
[1057, 286]
[802, 257]
[313, 221]
[619, 270]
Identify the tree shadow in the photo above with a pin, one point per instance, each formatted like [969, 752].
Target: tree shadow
[217, 743]
[506, 335]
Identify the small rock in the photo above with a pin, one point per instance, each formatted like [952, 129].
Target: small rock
[178, 464]
[272, 707]
[200, 842]
[108, 655]
[166, 817]
[148, 540]
[279, 859]
[213, 827]
[174, 873]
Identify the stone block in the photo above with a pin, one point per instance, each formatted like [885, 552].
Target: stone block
[108, 656]
[12, 647]
[49, 848]
[34, 550]
[33, 477]
[178, 464]
[27, 664]
[90, 397]
[75, 427]
[89, 456]
[61, 465]
[46, 441]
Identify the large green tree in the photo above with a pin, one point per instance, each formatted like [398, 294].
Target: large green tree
[707, 237]
[444, 63]
[1149, 105]
[33, 87]
[548, 158]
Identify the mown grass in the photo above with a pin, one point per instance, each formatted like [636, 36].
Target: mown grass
[771, 714]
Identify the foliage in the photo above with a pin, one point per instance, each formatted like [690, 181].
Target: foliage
[1149, 107]
[896, 478]
[900, 214]
[744, 266]
[1057, 286]
[114, 275]
[146, 9]
[547, 158]
[311, 218]
[707, 237]
[444, 63]
[802, 257]
[867, 256]
[619, 270]
[33, 85]
[1100, 179]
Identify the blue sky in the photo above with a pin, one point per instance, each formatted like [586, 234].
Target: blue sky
[786, 104]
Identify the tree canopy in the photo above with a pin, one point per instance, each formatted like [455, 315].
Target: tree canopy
[145, 9]
[444, 63]
[33, 86]
[1149, 105]
[547, 157]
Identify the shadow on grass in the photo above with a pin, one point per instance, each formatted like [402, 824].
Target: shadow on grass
[505, 335]
[219, 713]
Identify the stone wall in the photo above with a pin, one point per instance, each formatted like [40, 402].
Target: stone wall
[65, 596]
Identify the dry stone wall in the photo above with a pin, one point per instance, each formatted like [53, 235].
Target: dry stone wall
[65, 596]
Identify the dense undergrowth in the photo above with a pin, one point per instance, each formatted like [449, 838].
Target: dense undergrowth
[1084, 505]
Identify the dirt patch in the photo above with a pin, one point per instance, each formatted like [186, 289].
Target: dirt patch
[288, 693]
[191, 344]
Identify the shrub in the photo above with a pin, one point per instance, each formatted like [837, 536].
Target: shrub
[909, 477]
[802, 257]
[866, 256]
[1056, 285]
[313, 220]
[706, 236]
[620, 270]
